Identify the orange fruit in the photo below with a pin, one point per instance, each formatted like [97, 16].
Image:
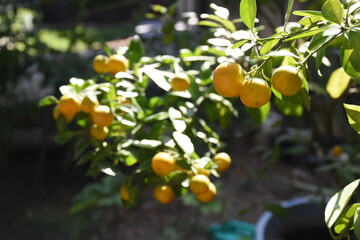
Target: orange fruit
[180, 82]
[56, 112]
[228, 78]
[102, 116]
[337, 150]
[199, 184]
[163, 163]
[100, 63]
[99, 133]
[117, 63]
[69, 105]
[125, 193]
[164, 194]
[255, 92]
[286, 80]
[222, 161]
[89, 103]
[208, 195]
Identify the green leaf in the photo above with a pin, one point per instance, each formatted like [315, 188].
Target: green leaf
[260, 114]
[248, 12]
[357, 223]
[175, 117]
[288, 12]
[268, 46]
[226, 23]
[307, 13]
[333, 11]
[320, 54]
[209, 24]
[345, 221]
[158, 77]
[147, 143]
[64, 136]
[306, 33]
[338, 202]
[350, 55]
[353, 114]
[48, 100]
[288, 109]
[136, 50]
[184, 142]
[337, 83]
[239, 44]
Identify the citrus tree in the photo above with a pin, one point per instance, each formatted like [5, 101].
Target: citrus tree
[154, 120]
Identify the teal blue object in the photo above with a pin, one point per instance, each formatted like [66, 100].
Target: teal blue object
[231, 230]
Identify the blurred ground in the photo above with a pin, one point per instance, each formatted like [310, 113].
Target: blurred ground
[38, 187]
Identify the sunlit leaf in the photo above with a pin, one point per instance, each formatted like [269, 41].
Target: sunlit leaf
[268, 46]
[357, 223]
[350, 55]
[248, 12]
[338, 202]
[176, 119]
[288, 12]
[353, 115]
[337, 83]
[307, 33]
[307, 13]
[184, 142]
[260, 114]
[158, 77]
[288, 108]
[209, 24]
[48, 100]
[226, 23]
[333, 11]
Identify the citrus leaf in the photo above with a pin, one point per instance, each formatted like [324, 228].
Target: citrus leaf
[260, 114]
[345, 221]
[337, 203]
[175, 117]
[226, 23]
[184, 142]
[48, 100]
[307, 13]
[268, 45]
[288, 109]
[357, 223]
[136, 50]
[350, 55]
[147, 143]
[209, 24]
[337, 83]
[288, 12]
[158, 77]
[353, 114]
[239, 44]
[248, 13]
[333, 11]
[307, 33]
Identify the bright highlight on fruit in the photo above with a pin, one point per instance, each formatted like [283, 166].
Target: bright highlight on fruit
[255, 93]
[163, 163]
[180, 82]
[222, 161]
[228, 78]
[117, 63]
[286, 80]
[164, 194]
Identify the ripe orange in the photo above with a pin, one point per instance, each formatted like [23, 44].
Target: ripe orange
[89, 103]
[286, 80]
[124, 193]
[199, 184]
[117, 63]
[228, 78]
[164, 194]
[102, 116]
[163, 163]
[208, 195]
[100, 63]
[69, 105]
[337, 150]
[99, 133]
[255, 92]
[180, 82]
[222, 160]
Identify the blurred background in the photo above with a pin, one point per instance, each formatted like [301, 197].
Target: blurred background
[43, 43]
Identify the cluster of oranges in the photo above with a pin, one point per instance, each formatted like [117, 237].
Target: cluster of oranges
[230, 81]
[100, 115]
[198, 181]
[112, 64]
